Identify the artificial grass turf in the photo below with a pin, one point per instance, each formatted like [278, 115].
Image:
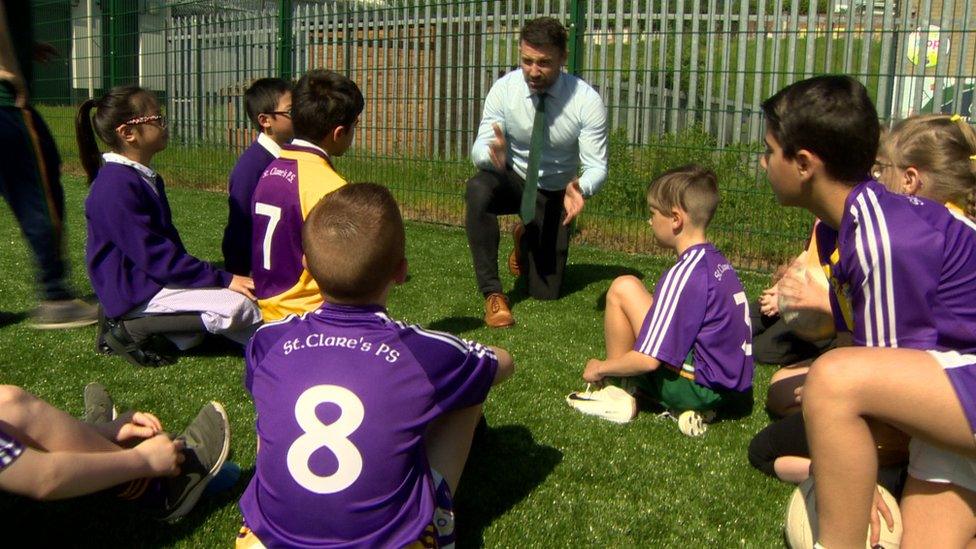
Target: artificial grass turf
[544, 476]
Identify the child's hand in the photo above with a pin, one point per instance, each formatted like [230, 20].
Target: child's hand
[243, 285]
[162, 455]
[138, 425]
[591, 374]
[798, 394]
[880, 510]
[769, 301]
[799, 289]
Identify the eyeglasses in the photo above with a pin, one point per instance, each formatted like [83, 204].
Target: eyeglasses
[877, 170]
[282, 113]
[158, 118]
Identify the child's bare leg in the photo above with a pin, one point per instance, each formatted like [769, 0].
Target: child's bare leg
[937, 515]
[781, 396]
[903, 387]
[628, 302]
[448, 441]
[39, 425]
[793, 469]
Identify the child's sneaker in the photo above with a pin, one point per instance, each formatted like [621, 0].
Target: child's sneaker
[64, 313]
[99, 406]
[693, 423]
[610, 403]
[207, 441]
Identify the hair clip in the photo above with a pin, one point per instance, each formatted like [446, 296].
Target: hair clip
[955, 118]
[973, 158]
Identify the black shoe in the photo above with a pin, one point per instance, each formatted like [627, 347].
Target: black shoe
[136, 353]
[99, 406]
[207, 441]
[101, 347]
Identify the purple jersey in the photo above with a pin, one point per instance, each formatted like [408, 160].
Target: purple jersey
[243, 179]
[289, 188]
[699, 305]
[343, 397]
[902, 270]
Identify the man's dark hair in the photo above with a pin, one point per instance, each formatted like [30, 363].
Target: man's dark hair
[544, 31]
[262, 97]
[830, 116]
[321, 102]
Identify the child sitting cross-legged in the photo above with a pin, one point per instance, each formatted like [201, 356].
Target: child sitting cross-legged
[688, 346]
[364, 423]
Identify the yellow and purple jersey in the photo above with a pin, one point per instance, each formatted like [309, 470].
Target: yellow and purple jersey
[288, 190]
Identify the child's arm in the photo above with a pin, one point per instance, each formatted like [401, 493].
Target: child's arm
[632, 363]
[59, 475]
[506, 365]
[130, 426]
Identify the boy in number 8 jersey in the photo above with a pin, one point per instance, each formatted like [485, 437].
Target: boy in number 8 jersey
[325, 111]
[364, 423]
[689, 346]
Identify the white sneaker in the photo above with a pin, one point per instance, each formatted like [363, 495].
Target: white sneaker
[694, 424]
[610, 403]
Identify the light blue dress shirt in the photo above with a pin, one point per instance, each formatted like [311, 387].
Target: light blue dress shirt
[576, 135]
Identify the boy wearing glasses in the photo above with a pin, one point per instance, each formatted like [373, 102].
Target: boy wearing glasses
[268, 105]
[325, 111]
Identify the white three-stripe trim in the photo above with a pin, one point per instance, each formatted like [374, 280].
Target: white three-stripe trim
[667, 303]
[873, 247]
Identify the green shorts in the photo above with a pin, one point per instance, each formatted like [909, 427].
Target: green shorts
[678, 393]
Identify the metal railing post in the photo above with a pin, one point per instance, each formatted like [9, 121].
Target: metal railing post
[285, 39]
[577, 22]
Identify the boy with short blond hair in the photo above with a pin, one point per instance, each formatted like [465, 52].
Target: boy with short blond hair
[689, 346]
[364, 423]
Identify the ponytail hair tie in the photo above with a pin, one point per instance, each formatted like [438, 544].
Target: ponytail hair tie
[955, 118]
[973, 158]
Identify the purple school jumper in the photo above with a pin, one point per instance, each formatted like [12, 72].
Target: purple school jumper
[902, 270]
[133, 249]
[343, 397]
[243, 181]
[700, 306]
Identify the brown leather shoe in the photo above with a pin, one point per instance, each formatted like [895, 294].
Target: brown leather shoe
[515, 258]
[497, 313]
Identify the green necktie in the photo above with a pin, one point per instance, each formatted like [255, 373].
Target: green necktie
[535, 154]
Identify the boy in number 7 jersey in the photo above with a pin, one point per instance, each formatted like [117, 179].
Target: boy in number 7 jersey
[689, 346]
[325, 111]
[364, 423]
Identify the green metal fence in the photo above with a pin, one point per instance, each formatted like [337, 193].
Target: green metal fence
[682, 80]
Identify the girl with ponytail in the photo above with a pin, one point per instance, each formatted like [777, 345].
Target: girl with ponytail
[153, 293]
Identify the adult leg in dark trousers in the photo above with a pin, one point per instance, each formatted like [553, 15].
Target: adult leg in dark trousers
[544, 245]
[30, 183]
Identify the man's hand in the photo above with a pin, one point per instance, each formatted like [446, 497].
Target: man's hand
[498, 148]
[243, 285]
[44, 52]
[591, 374]
[16, 81]
[573, 201]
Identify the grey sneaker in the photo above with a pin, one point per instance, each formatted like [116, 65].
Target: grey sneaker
[99, 406]
[68, 313]
[207, 444]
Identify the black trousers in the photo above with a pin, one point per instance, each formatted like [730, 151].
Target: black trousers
[545, 244]
[774, 343]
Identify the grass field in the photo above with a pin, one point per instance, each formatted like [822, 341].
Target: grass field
[544, 477]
